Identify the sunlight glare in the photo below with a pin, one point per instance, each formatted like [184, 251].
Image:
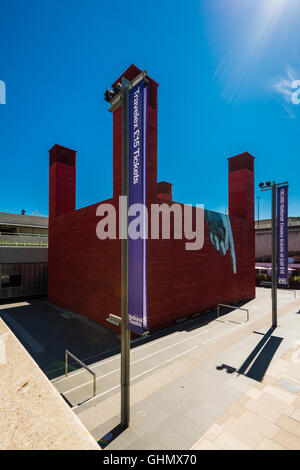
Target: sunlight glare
[246, 54]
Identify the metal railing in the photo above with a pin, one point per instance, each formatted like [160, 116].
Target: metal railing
[289, 291]
[20, 234]
[233, 307]
[269, 284]
[266, 283]
[68, 353]
[20, 239]
[295, 292]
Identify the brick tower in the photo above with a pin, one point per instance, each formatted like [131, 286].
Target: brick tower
[130, 74]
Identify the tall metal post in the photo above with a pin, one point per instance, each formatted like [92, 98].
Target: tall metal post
[125, 333]
[258, 199]
[274, 255]
[273, 187]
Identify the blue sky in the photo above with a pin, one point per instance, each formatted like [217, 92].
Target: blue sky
[225, 69]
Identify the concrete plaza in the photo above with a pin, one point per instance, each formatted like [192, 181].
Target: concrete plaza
[196, 386]
[206, 383]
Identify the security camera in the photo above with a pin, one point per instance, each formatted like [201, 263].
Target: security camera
[108, 95]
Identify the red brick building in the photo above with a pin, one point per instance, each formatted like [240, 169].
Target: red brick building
[85, 272]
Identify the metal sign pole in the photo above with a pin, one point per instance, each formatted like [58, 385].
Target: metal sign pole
[273, 187]
[274, 255]
[114, 97]
[125, 333]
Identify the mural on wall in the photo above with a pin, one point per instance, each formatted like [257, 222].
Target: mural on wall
[220, 234]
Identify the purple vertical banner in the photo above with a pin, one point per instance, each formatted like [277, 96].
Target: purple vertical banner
[137, 179]
[282, 236]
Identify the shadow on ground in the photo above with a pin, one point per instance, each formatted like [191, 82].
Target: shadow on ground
[111, 436]
[258, 361]
[46, 332]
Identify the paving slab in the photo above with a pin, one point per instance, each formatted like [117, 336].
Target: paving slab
[32, 413]
[204, 384]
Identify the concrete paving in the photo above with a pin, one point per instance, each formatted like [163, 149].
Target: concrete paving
[184, 380]
[46, 331]
[267, 416]
[32, 414]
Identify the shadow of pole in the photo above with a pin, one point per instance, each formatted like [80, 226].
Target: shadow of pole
[111, 436]
[260, 357]
[255, 351]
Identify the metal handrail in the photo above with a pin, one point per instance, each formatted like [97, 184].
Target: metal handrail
[232, 306]
[269, 284]
[68, 353]
[289, 290]
[42, 235]
[266, 283]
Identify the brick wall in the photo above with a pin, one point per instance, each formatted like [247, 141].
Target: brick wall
[85, 272]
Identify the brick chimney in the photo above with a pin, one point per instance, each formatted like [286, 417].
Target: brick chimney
[241, 186]
[130, 74]
[164, 190]
[62, 180]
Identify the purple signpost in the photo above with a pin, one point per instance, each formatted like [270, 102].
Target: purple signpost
[134, 99]
[137, 192]
[279, 239]
[282, 236]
